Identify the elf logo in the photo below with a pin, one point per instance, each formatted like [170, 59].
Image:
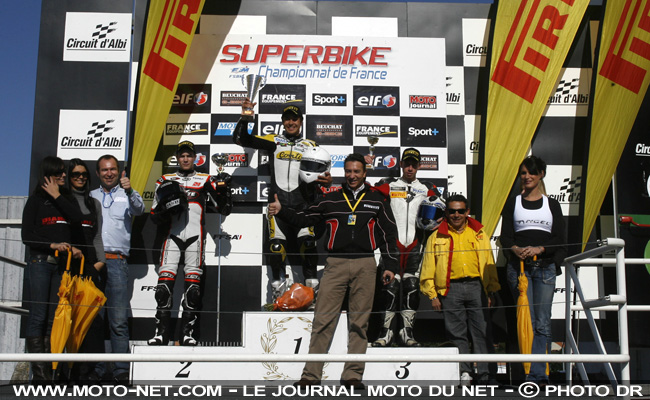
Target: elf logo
[185, 99]
[376, 100]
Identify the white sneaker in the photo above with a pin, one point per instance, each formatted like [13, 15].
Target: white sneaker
[465, 379]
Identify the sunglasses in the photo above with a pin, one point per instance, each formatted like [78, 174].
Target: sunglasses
[452, 211]
[77, 175]
[59, 173]
[290, 117]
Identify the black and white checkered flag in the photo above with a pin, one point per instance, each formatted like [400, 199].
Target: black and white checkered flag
[99, 129]
[571, 185]
[103, 30]
[565, 87]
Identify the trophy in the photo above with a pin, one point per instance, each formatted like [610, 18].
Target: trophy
[253, 84]
[373, 141]
[220, 160]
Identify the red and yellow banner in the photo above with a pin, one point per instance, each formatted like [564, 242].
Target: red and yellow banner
[531, 41]
[170, 29]
[621, 85]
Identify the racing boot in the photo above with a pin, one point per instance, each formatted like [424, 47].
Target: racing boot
[312, 283]
[385, 338]
[407, 339]
[188, 323]
[406, 333]
[278, 288]
[161, 337]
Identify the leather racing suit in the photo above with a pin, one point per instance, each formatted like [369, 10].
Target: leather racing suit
[405, 200]
[285, 154]
[186, 236]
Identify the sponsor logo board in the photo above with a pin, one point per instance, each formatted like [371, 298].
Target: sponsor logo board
[273, 98]
[423, 132]
[192, 99]
[89, 134]
[323, 99]
[376, 100]
[329, 129]
[100, 37]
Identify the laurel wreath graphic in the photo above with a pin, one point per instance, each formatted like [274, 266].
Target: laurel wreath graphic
[269, 341]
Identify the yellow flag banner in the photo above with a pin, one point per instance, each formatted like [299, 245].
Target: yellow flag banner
[621, 84]
[170, 29]
[531, 41]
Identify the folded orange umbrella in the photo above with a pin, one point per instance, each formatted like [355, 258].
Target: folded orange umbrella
[63, 314]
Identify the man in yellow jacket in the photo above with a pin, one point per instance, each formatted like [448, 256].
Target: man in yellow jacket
[459, 276]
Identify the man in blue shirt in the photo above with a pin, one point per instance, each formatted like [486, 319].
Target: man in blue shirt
[119, 204]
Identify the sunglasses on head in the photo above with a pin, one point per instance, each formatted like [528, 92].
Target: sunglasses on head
[452, 211]
[76, 175]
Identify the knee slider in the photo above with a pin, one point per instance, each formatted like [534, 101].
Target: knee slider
[192, 297]
[390, 293]
[411, 283]
[411, 293]
[277, 248]
[393, 287]
[309, 244]
[163, 296]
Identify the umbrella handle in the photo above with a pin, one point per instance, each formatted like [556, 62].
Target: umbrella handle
[67, 267]
[81, 267]
[521, 263]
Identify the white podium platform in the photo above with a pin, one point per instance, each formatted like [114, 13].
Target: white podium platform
[285, 333]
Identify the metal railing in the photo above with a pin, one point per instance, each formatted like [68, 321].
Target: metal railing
[617, 302]
[612, 302]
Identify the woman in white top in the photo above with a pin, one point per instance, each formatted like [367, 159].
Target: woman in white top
[533, 230]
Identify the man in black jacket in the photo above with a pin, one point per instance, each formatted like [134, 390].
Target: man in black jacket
[358, 220]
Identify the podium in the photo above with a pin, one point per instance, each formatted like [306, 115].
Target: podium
[286, 333]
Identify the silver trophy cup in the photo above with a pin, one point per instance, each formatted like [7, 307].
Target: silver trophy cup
[252, 84]
[220, 160]
[373, 141]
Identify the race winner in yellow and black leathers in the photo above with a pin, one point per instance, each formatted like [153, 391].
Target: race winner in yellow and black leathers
[285, 152]
[180, 202]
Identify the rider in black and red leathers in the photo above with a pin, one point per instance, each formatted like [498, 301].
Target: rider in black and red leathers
[285, 152]
[184, 210]
[406, 195]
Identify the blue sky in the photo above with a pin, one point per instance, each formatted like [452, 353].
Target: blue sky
[19, 33]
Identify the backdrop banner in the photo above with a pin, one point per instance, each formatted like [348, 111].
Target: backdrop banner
[170, 29]
[531, 41]
[621, 84]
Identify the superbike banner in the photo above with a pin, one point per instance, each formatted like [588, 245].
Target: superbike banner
[531, 41]
[621, 85]
[170, 28]
[350, 88]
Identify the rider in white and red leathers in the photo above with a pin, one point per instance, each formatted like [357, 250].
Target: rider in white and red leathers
[406, 195]
[285, 152]
[186, 219]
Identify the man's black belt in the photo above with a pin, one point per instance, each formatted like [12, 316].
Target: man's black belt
[466, 279]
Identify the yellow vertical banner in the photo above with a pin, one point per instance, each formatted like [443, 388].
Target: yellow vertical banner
[621, 84]
[530, 43]
[170, 29]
